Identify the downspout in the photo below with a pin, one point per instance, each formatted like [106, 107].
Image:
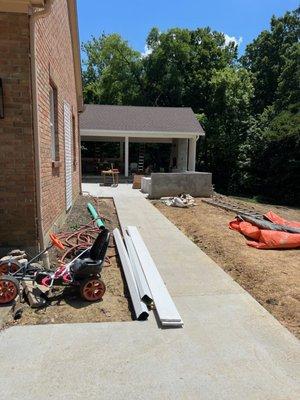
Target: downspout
[197, 138]
[34, 16]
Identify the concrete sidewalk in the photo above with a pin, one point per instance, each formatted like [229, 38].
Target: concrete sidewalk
[230, 347]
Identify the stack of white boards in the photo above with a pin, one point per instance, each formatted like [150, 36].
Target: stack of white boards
[143, 279]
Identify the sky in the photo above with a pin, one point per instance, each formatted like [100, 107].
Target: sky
[241, 20]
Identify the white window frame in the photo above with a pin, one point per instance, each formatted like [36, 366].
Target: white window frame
[53, 122]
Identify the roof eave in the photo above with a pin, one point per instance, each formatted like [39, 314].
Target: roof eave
[73, 19]
[145, 134]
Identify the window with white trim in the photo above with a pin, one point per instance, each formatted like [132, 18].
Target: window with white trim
[53, 122]
[74, 143]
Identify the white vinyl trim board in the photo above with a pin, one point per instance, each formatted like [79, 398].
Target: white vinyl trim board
[165, 307]
[140, 308]
[139, 275]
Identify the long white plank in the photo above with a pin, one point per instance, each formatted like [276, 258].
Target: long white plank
[165, 307]
[138, 272]
[140, 308]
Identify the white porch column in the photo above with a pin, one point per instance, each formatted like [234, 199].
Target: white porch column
[192, 153]
[126, 155]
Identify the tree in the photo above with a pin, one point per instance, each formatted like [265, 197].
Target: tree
[269, 160]
[226, 125]
[180, 65]
[112, 72]
[288, 88]
[266, 57]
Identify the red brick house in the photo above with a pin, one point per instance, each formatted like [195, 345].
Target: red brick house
[40, 98]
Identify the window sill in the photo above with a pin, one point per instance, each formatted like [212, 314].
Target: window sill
[56, 164]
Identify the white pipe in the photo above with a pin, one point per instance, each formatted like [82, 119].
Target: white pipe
[140, 308]
[139, 276]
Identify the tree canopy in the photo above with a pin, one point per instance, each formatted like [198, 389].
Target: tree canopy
[249, 107]
[267, 57]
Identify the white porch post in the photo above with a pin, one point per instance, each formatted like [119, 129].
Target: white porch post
[126, 155]
[192, 153]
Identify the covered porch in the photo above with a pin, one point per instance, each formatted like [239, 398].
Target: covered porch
[137, 139]
[137, 152]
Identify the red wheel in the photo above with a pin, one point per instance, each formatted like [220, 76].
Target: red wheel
[7, 267]
[9, 289]
[92, 289]
[56, 242]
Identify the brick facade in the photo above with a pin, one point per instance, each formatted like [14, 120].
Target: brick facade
[17, 175]
[54, 63]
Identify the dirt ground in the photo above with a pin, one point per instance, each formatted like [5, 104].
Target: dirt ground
[272, 277]
[67, 306]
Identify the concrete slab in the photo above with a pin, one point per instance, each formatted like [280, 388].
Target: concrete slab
[230, 348]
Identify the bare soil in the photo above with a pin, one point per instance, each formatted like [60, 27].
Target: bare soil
[66, 305]
[272, 277]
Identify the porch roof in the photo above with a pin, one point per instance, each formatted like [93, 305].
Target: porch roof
[136, 121]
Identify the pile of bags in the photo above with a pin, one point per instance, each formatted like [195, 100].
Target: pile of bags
[269, 231]
[182, 201]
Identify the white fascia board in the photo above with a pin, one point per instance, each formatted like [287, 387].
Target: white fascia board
[140, 308]
[144, 134]
[140, 279]
[165, 307]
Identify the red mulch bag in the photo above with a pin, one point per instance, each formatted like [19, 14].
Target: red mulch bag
[268, 239]
[247, 229]
[276, 219]
[276, 240]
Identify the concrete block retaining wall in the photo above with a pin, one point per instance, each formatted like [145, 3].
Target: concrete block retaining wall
[197, 184]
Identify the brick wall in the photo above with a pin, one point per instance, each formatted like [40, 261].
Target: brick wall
[17, 177]
[55, 64]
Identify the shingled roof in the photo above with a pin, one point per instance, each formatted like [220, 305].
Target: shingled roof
[140, 119]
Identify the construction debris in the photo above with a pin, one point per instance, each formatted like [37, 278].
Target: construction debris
[36, 298]
[140, 308]
[15, 255]
[229, 205]
[137, 179]
[182, 201]
[269, 231]
[164, 305]
[266, 231]
[144, 280]
[142, 285]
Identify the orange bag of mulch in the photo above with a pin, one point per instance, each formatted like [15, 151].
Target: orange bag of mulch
[268, 239]
[278, 220]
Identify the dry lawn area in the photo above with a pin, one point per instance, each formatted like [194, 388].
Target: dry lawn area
[272, 277]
